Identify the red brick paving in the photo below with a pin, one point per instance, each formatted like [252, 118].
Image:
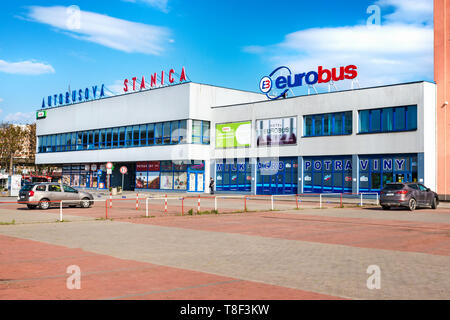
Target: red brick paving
[412, 236]
[36, 270]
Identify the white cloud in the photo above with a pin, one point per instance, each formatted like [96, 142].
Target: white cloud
[158, 4]
[407, 11]
[1, 100]
[25, 67]
[20, 117]
[116, 88]
[110, 32]
[394, 52]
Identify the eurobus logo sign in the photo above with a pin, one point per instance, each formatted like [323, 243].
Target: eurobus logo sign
[285, 82]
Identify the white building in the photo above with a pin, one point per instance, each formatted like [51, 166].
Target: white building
[346, 141]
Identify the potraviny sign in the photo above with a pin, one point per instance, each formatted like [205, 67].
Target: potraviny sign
[284, 82]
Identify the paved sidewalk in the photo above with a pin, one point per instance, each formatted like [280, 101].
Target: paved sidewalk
[330, 269]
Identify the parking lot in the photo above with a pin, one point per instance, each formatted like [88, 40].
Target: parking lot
[285, 253]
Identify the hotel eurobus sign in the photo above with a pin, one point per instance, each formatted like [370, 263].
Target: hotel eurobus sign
[282, 79]
[98, 92]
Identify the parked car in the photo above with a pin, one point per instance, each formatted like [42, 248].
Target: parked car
[46, 195]
[410, 195]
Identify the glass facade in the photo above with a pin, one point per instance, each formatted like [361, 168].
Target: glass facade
[388, 119]
[277, 176]
[234, 175]
[200, 132]
[84, 176]
[328, 124]
[327, 174]
[163, 133]
[376, 171]
[170, 175]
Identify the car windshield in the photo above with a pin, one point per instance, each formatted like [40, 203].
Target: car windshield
[394, 187]
[28, 187]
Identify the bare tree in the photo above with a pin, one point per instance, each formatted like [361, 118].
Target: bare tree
[11, 143]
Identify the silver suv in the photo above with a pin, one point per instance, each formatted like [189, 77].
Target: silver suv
[45, 195]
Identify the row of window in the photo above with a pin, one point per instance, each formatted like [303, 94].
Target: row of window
[388, 119]
[162, 133]
[328, 124]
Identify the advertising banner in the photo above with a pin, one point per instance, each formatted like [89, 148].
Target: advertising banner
[231, 135]
[180, 180]
[141, 180]
[141, 166]
[154, 166]
[166, 180]
[153, 180]
[282, 131]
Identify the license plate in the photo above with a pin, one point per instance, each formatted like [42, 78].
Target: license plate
[389, 194]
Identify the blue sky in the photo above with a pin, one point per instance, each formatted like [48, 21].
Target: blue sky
[226, 43]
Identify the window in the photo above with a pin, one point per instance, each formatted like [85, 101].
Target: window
[151, 134]
[205, 132]
[173, 132]
[129, 136]
[399, 119]
[328, 124]
[158, 133]
[69, 189]
[115, 137]
[196, 131]
[308, 126]
[318, 126]
[54, 188]
[175, 135]
[143, 135]
[121, 136]
[135, 136]
[166, 132]
[364, 121]
[183, 131]
[411, 117]
[41, 187]
[91, 140]
[375, 121]
[388, 119]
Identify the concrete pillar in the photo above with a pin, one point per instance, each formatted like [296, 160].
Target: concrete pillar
[355, 173]
[420, 168]
[254, 164]
[300, 175]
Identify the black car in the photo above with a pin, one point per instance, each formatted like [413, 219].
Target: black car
[410, 195]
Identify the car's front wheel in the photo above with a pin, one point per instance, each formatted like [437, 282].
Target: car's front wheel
[85, 203]
[434, 203]
[386, 207]
[412, 204]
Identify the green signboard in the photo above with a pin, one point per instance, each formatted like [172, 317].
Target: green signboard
[231, 135]
[41, 114]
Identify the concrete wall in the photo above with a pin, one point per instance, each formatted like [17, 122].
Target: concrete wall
[442, 79]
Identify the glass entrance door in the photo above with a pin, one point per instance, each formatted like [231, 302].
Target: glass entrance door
[192, 182]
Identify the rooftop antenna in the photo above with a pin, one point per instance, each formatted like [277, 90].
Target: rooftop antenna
[332, 84]
[355, 82]
[311, 86]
